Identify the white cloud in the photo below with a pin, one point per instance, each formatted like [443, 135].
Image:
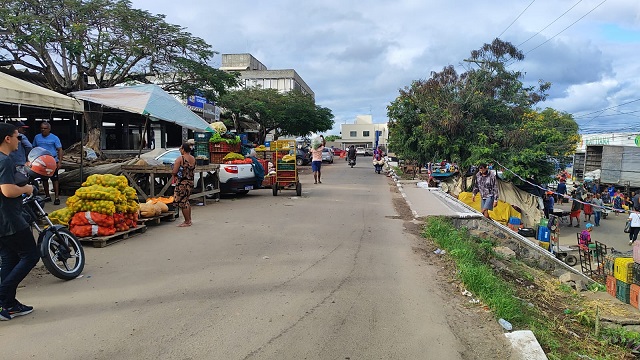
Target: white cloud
[355, 55]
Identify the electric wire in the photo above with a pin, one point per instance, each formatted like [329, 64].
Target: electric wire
[563, 30]
[551, 23]
[516, 19]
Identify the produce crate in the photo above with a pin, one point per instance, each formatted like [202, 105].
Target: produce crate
[201, 149]
[633, 297]
[286, 166]
[268, 181]
[281, 145]
[265, 165]
[623, 269]
[636, 273]
[223, 147]
[216, 158]
[623, 291]
[286, 175]
[202, 137]
[636, 251]
[611, 285]
[609, 263]
[201, 162]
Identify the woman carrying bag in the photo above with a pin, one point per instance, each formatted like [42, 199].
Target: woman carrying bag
[634, 222]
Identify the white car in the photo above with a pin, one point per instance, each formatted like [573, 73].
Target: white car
[360, 151]
[234, 179]
[327, 155]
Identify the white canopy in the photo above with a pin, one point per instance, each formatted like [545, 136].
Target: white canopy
[148, 100]
[20, 92]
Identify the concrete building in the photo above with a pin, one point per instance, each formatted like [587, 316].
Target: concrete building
[363, 132]
[254, 73]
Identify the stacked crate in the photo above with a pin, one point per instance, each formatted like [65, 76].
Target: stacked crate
[634, 290]
[543, 234]
[217, 151]
[623, 272]
[201, 150]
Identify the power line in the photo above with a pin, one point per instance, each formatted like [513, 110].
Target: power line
[551, 23]
[516, 19]
[563, 30]
[609, 108]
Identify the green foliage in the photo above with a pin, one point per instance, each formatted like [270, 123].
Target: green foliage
[292, 113]
[478, 277]
[332, 137]
[482, 115]
[109, 43]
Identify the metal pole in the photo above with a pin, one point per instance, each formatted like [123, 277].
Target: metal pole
[81, 146]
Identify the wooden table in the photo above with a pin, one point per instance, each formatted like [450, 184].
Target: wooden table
[159, 176]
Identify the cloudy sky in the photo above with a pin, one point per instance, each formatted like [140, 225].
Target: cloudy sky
[355, 55]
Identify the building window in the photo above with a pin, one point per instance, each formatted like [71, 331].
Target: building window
[365, 134]
[353, 133]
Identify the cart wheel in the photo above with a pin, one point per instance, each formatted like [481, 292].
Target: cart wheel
[570, 260]
[299, 189]
[275, 189]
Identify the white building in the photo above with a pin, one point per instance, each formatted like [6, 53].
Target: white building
[254, 73]
[363, 132]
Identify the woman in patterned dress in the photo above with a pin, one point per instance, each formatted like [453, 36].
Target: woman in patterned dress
[183, 171]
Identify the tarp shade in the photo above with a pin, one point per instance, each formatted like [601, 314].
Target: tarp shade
[145, 99]
[17, 91]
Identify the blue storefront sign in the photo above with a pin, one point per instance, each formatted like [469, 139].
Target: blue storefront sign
[198, 101]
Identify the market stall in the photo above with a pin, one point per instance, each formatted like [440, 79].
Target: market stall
[153, 181]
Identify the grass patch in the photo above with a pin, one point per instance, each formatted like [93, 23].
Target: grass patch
[561, 319]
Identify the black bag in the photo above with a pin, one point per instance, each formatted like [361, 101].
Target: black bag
[627, 226]
[527, 232]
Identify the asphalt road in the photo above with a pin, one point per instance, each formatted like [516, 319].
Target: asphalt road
[330, 275]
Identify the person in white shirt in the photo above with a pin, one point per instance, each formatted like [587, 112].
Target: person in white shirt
[634, 217]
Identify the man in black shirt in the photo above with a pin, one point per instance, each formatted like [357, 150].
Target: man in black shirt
[17, 246]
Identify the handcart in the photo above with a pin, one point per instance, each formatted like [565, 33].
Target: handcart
[286, 172]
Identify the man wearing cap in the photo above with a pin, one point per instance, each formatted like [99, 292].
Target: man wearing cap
[19, 156]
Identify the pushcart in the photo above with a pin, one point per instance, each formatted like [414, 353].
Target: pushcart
[286, 172]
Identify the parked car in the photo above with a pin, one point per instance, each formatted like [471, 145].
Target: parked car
[234, 178]
[303, 157]
[327, 155]
[368, 152]
[360, 151]
[337, 151]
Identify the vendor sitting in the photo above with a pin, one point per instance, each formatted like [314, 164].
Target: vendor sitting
[584, 237]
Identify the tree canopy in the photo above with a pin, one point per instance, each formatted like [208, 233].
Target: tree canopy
[291, 113]
[76, 44]
[486, 114]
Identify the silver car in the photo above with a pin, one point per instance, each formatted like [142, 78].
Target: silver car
[327, 155]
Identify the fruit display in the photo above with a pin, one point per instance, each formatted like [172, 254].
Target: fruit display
[262, 148]
[289, 158]
[105, 202]
[233, 156]
[61, 216]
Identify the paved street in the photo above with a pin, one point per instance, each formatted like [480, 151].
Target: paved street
[334, 274]
[610, 232]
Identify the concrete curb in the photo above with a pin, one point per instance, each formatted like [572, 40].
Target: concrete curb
[524, 344]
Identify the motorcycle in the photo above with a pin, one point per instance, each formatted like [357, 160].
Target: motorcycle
[352, 162]
[60, 250]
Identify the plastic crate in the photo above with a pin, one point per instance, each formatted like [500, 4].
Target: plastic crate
[611, 285]
[609, 263]
[623, 291]
[636, 273]
[268, 181]
[286, 166]
[623, 269]
[223, 147]
[216, 158]
[634, 291]
[202, 137]
[544, 222]
[286, 175]
[544, 244]
[636, 251]
[544, 234]
[514, 220]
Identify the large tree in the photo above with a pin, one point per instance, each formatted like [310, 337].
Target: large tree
[291, 113]
[80, 44]
[485, 114]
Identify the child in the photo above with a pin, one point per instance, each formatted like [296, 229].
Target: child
[587, 208]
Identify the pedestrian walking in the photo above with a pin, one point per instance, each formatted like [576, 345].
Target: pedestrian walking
[617, 202]
[587, 208]
[597, 208]
[576, 208]
[52, 144]
[562, 190]
[634, 218]
[487, 186]
[19, 156]
[549, 203]
[18, 249]
[316, 158]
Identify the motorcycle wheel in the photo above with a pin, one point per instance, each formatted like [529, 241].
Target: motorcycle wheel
[61, 265]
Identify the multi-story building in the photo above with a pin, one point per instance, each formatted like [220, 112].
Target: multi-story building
[363, 132]
[254, 73]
